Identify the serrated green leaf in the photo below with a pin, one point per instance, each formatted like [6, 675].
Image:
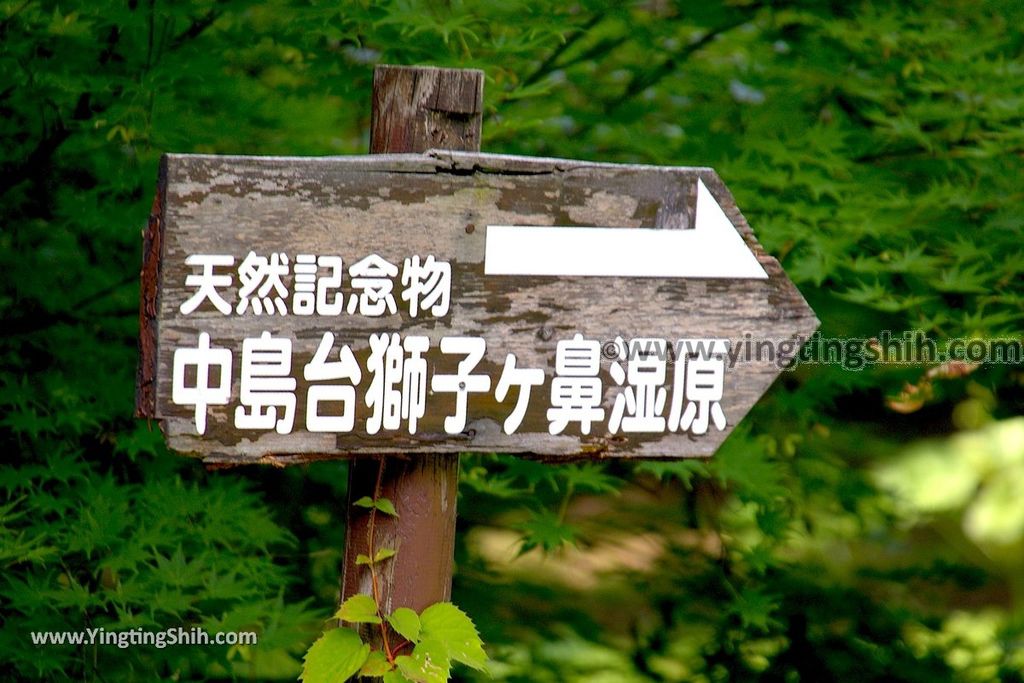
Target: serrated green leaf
[376, 665]
[430, 662]
[754, 608]
[359, 609]
[591, 477]
[532, 472]
[545, 530]
[384, 553]
[406, 623]
[334, 657]
[395, 676]
[449, 625]
[743, 463]
[683, 470]
[382, 504]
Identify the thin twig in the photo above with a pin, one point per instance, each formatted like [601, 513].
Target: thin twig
[641, 83]
[549, 61]
[373, 572]
[564, 507]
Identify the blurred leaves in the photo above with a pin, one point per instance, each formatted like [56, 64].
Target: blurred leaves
[979, 475]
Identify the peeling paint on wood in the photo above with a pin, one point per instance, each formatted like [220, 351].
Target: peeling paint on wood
[440, 203]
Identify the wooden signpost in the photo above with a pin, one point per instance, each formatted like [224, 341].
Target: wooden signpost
[438, 302]
[428, 304]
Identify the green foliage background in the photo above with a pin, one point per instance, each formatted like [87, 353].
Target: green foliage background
[860, 525]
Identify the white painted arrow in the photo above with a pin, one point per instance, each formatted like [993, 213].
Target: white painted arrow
[712, 249]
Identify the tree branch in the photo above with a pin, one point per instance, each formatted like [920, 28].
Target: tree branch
[640, 83]
[32, 166]
[544, 67]
[198, 25]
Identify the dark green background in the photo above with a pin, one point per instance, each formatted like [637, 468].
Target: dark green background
[860, 525]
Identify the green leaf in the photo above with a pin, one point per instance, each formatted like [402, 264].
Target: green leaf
[546, 530]
[406, 624]
[382, 504]
[334, 657]
[532, 472]
[387, 507]
[743, 462]
[359, 609]
[376, 665]
[683, 470]
[395, 676]
[451, 626]
[384, 553]
[754, 608]
[430, 662]
[591, 477]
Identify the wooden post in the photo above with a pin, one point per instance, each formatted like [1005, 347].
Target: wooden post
[414, 109]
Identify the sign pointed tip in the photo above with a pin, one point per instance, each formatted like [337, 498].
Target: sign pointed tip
[734, 257]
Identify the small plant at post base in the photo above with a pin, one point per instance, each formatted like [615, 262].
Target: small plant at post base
[432, 640]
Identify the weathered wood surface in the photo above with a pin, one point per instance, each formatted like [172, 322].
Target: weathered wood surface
[414, 109]
[149, 279]
[421, 108]
[440, 203]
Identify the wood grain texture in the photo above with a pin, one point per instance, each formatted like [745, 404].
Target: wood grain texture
[414, 108]
[424, 488]
[440, 203]
[149, 279]
[419, 108]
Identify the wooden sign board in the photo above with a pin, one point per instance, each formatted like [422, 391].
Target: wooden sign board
[302, 308]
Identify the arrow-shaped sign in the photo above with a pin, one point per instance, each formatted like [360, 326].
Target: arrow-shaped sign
[713, 249]
[517, 364]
